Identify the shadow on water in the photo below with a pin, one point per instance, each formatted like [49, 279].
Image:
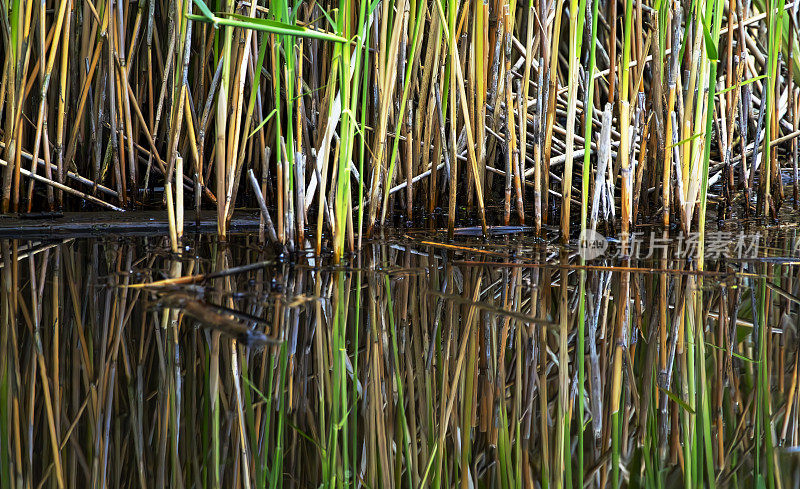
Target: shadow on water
[421, 363]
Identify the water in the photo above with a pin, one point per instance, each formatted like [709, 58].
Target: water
[419, 362]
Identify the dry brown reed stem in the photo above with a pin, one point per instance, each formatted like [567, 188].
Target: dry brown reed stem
[64, 188]
[179, 207]
[74, 176]
[453, 144]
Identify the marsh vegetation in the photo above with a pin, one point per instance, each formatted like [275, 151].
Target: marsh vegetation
[339, 345]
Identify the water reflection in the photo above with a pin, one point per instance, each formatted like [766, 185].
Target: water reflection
[421, 363]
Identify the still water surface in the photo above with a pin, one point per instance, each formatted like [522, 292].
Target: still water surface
[420, 362]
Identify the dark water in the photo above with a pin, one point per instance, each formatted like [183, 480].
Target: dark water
[417, 363]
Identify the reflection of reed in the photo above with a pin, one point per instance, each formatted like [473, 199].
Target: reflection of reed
[213, 317]
[419, 367]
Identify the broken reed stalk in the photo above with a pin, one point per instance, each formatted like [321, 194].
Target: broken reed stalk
[263, 206]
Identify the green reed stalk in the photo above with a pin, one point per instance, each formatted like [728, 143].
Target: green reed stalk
[363, 122]
[280, 25]
[481, 13]
[448, 26]
[276, 96]
[691, 459]
[339, 414]
[623, 156]
[504, 450]
[290, 59]
[8, 292]
[276, 473]
[341, 64]
[467, 410]
[249, 413]
[266, 424]
[350, 99]
[562, 455]
[774, 34]
[518, 467]
[711, 51]
[354, 411]
[763, 421]
[587, 138]
[362, 59]
[575, 31]
[690, 174]
[399, 381]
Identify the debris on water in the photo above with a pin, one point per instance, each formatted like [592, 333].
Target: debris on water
[41, 215]
[492, 230]
[214, 317]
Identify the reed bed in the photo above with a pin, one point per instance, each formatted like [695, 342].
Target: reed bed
[226, 367]
[356, 114]
[338, 119]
